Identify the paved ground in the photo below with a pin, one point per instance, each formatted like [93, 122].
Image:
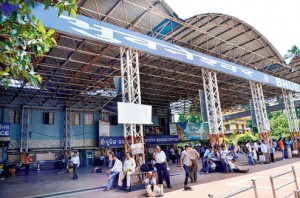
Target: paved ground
[50, 183]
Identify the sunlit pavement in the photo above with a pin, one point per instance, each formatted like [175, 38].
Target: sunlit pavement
[52, 184]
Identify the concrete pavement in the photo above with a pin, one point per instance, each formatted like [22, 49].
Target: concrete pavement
[52, 184]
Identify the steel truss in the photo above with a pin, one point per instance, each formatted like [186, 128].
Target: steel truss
[213, 106]
[291, 113]
[131, 93]
[67, 126]
[263, 124]
[24, 129]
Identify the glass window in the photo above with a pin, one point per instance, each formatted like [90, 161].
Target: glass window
[88, 119]
[48, 118]
[75, 118]
[14, 116]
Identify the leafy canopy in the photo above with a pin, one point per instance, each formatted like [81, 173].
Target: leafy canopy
[23, 38]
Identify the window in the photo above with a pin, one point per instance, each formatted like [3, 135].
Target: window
[75, 119]
[48, 118]
[88, 119]
[14, 116]
[227, 127]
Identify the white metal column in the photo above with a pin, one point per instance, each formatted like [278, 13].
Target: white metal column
[67, 126]
[131, 92]
[213, 106]
[24, 129]
[291, 113]
[260, 110]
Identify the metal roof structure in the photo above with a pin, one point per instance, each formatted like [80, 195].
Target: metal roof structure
[79, 73]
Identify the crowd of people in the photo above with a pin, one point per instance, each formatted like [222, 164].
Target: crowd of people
[155, 166]
[263, 152]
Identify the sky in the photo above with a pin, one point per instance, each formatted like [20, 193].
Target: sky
[277, 20]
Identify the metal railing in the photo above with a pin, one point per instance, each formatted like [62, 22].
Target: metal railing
[296, 193]
[274, 189]
[253, 186]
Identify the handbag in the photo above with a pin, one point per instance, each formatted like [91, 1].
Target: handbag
[144, 168]
[262, 158]
[295, 152]
[158, 190]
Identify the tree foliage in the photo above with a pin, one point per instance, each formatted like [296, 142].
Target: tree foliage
[23, 38]
[293, 52]
[279, 124]
[190, 117]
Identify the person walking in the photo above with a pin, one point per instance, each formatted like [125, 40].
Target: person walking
[113, 172]
[173, 155]
[161, 166]
[76, 162]
[281, 147]
[27, 162]
[129, 169]
[186, 163]
[194, 155]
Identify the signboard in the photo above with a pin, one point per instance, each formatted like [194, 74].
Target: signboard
[92, 29]
[118, 141]
[4, 129]
[191, 131]
[104, 128]
[129, 113]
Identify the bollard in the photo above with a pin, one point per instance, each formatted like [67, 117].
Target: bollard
[255, 189]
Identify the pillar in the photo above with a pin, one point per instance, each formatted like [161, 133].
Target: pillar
[67, 127]
[131, 93]
[291, 113]
[261, 117]
[24, 129]
[213, 106]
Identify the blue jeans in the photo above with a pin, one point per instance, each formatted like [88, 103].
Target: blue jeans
[187, 174]
[111, 180]
[163, 168]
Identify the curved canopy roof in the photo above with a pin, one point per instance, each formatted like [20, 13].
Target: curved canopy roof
[78, 73]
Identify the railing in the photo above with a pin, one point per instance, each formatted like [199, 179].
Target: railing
[274, 189]
[253, 186]
[296, 192]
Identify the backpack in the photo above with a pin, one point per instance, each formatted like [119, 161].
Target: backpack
[144, 168]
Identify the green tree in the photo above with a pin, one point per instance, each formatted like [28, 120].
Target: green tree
[293, 52]
[279, 124]
[190, 117]
[23, 38]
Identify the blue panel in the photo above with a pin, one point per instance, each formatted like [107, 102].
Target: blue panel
[39, 131]
[119, 140]
[4, 129]
[100, 31]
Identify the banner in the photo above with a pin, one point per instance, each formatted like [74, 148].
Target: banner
[191, 131]
[4, 129]
[85, 27]
[118, 141]
[104, 128]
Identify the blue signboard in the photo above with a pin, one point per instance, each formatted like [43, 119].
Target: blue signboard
[118, 141]
[92, 29]
[4, 129]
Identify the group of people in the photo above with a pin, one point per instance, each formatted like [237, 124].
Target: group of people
[129, 167]
[262, 151]
[221, 158]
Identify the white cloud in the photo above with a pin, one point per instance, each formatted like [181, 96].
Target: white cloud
[277, 20]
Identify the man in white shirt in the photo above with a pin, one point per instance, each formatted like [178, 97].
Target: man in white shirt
[264, 150]
[113, 172]
[76, 162]
[186, 163]
[129, 168]
[161, 166]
